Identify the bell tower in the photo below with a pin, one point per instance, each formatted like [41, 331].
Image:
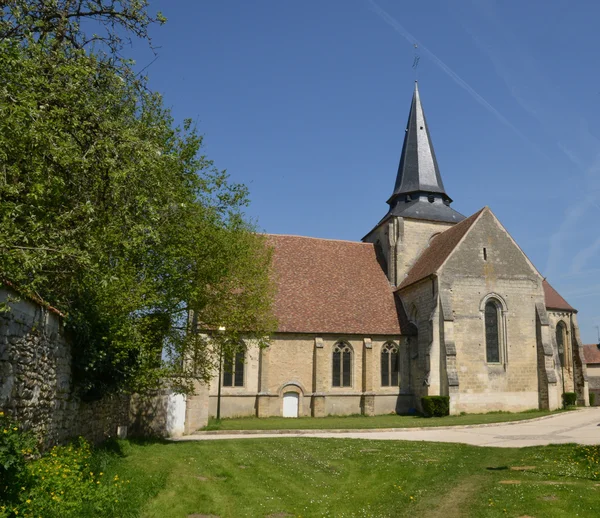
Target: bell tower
[419, 207]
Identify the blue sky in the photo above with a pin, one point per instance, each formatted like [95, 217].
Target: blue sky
[306, 103]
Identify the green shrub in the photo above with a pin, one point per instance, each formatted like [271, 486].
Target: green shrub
[592, 398]
[16, 447]
[569, 398]
[435, 406]
[63, 483]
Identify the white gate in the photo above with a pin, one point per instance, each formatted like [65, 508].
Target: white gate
[290, 404]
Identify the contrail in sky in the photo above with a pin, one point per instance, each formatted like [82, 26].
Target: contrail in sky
[395, 24]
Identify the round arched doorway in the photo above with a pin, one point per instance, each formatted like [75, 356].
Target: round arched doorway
[290, 404]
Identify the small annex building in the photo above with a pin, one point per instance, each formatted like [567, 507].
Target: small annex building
[591, 353]
[430, 302]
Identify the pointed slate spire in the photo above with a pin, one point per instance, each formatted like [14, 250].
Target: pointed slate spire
[418, 169]
[419, 191]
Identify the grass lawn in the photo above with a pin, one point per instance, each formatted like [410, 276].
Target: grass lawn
[304, 477]
[365, 422]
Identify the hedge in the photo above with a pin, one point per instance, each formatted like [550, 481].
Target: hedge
[435, 406]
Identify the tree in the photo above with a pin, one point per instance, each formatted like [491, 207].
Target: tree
[109, 212]
[63, 21]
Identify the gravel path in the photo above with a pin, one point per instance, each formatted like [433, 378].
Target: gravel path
[581, 426]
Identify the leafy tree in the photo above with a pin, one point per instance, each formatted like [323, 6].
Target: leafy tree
[109, 212]
[67, 23]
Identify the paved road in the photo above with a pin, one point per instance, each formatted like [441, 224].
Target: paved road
[581, 426]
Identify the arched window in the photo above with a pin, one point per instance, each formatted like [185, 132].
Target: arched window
[562, 342]
[342, 365]
[493, 312]
[390, 365]
[233, 369]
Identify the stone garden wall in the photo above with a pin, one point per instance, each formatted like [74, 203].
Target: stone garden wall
[35, 377]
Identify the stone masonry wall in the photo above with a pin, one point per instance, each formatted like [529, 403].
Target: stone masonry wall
[35, 378]
[302, 363]
[402, 242]
[468, 277]
[420, 302]
[415, 238]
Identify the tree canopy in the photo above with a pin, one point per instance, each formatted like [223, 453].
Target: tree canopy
[109, 211]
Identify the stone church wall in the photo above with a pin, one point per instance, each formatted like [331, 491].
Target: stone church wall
[402, 240]
[416, 237]
[505, 274]
[302, 363]
[35, 378]
[238, 401]
[574, 371]
[568, 369]
[420, 302]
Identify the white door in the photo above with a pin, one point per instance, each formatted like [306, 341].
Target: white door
[290, 404]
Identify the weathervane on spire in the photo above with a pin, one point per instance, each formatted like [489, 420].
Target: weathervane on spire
[416, 59]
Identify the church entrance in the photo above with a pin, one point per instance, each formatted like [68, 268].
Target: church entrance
[290, 404]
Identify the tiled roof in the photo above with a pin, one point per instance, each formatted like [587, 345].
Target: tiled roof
[329, 286]
[554, 300]
[436, 253]
[591, 353]
[31, 297]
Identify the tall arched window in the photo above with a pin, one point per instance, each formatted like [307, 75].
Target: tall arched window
[390, 365]
[342, 365]
[562, 343]
[233, 369]
[493, 312]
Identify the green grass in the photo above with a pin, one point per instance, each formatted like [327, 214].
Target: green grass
[308, 477]
[367, 422]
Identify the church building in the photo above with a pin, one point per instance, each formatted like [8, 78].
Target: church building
[430, 302]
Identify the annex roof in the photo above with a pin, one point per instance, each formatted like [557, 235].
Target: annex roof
[331, 286]
[591, 353]
[554, 299]
[438, 251]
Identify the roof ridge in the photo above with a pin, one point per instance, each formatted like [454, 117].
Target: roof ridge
[319, 238]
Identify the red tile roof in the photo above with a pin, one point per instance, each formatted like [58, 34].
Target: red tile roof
[591, 353]
[330, 286]
[31, 297]
[554, 300]
[436, 253]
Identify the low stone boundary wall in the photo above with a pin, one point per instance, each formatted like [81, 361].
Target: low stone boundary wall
[36, 386]
[36, 381]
